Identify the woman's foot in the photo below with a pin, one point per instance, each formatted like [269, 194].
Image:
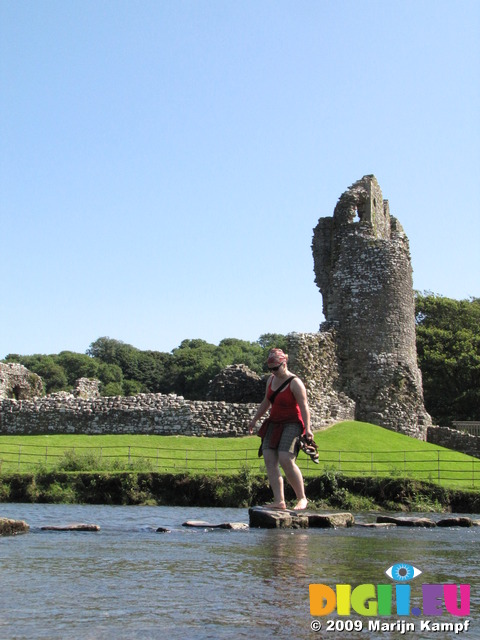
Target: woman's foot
[276, 505]
[301, 504]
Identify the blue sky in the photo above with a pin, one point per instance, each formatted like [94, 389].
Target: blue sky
[163, 163]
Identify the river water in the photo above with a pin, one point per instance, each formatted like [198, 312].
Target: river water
[128, 581]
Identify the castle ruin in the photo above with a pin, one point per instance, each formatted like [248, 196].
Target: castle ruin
[17, 382]
[363, 270]
[361, 365]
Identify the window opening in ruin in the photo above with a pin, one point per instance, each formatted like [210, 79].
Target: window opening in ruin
[356, 216]
[17, 392]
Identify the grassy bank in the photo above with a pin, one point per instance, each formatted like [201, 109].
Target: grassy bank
[243, 489]
[362, 466]
[352, 449]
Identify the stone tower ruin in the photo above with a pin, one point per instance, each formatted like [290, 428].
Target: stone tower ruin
[363, 270]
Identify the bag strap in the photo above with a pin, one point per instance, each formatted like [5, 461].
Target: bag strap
[282, 386]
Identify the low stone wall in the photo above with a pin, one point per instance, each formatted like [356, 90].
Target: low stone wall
[313, 357]
[144, 413]
[148, 413]
[454, 439]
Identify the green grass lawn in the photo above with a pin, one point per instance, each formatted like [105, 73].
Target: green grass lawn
[357, 448]
[350, 448]
[159, 453]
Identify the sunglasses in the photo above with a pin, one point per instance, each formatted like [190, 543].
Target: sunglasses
[275, 368]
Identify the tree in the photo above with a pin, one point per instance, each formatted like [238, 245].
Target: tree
[77, 365]
[109, 373]
[193, 366]
[113, 389]
[448, 347]
[155, 371]
[234, 351]
[116, 352]
[151, 369]
[273, 341]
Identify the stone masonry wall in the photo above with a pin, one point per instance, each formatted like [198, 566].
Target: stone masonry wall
[454, 439]
[151, 413]
[311, 356]
[237, 383]
[16, 381]
[363, 270]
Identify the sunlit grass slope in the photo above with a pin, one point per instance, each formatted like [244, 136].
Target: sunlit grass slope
[359, 448]
[350, 448]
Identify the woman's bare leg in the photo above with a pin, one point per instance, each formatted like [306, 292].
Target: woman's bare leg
[274, 477]
[294, 477]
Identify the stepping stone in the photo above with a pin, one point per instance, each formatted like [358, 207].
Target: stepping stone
[162, 530]
[375, 525]
[407, 522]
[76, 526]
[9, 527]
[461, 521]
[208, 525]
[330, 520]
[266, 518]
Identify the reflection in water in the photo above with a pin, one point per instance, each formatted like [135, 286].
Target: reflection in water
[285, 554]
[129, 582]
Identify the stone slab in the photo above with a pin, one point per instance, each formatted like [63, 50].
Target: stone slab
[201, 524]
[263, 517]
[375, 525]
[407, 522]
[330, 520]
[76, 526]
[9, 527]
[460, 521]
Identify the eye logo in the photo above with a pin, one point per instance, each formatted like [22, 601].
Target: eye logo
[402, 572]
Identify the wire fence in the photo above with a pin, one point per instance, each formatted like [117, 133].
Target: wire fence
[441, 466]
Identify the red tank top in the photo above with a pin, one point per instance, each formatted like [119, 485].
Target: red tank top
[285, 407]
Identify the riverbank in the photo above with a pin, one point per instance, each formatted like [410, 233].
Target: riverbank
[242, 489]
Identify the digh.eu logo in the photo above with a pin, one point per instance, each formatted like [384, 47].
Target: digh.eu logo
[389, 599]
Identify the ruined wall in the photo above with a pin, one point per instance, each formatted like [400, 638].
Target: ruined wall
[148, 413]
[16, 381]
[237, 383]
[454, 439]
[312, 357]
[87, 388]
[363, 270]
[361, 365]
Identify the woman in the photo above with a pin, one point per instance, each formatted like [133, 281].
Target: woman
[280, 433]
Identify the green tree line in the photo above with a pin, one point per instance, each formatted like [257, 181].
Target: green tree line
[125, 370]
[448, 347]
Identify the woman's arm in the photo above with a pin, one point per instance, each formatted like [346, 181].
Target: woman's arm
[300, 394]
[262, 409]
